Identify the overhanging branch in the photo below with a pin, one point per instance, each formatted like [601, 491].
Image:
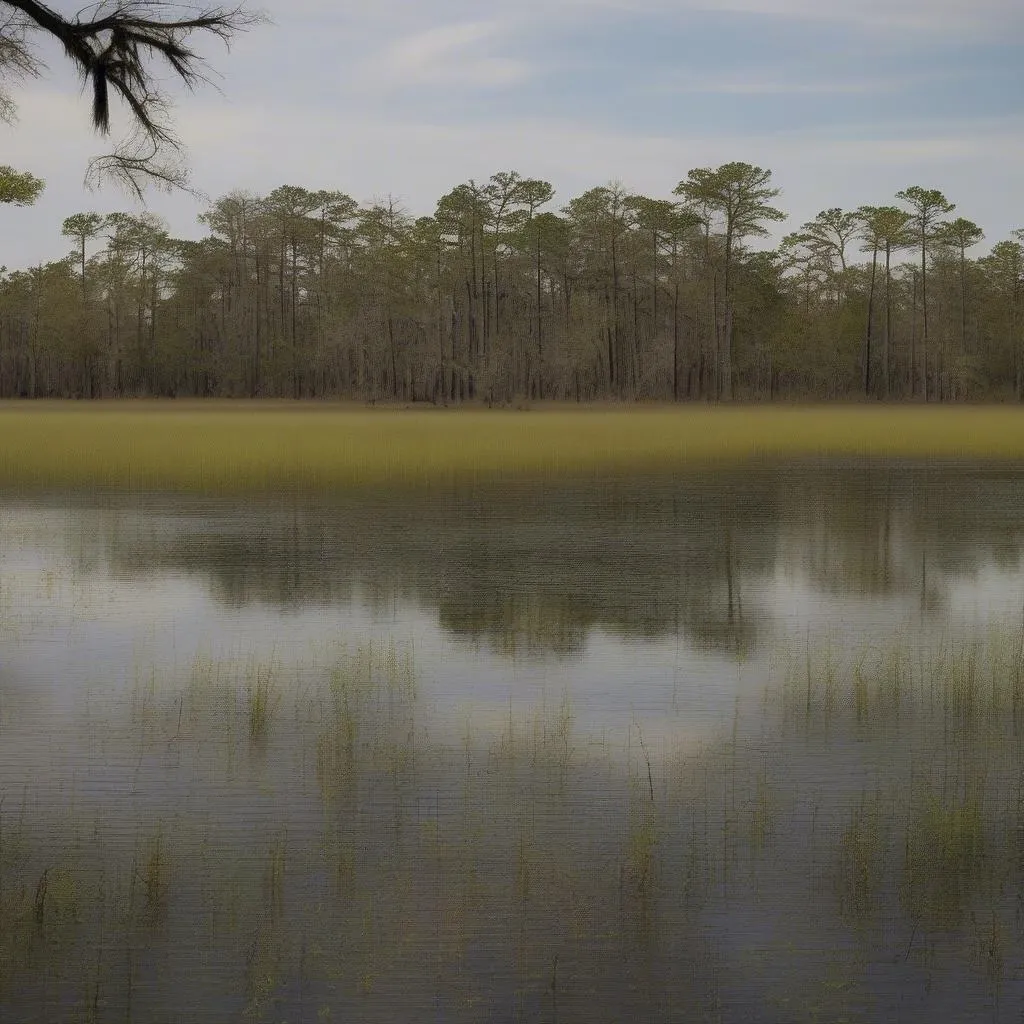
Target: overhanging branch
[113, 51]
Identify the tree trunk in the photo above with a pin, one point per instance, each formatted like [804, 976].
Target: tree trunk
[867, 336]
[675, 343]
[727, 336]
[963, 300]
[924, 316]
[888, 325]
[913, 336]
[611, 342]
[394, 357]
[540, 330]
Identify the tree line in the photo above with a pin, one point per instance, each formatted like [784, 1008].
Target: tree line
[499, 298]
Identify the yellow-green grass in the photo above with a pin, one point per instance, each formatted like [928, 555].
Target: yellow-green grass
[261, 446]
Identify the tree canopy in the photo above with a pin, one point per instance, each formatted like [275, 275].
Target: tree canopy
[500, 297]
[19, 188]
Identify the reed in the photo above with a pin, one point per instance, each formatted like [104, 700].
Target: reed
[440, 859]
[261, 446]
[261, 702]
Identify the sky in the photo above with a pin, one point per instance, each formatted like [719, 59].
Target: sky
[845, 101]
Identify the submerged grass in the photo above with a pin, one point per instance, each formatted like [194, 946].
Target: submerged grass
[261, 700]
[262, 446]
[376, 864]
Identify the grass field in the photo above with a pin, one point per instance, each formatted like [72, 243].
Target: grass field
[266, 446]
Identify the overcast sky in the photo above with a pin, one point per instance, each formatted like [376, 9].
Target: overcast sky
[846, 101]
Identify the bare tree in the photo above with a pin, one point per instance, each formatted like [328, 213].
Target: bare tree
[117, 46]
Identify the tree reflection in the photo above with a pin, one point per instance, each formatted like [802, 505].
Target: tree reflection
[531, 572]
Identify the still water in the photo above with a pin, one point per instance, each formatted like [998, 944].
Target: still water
[727, 746]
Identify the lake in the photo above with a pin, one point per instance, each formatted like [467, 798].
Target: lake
[736, 746]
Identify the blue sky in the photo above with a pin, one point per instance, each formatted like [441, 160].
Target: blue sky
[846, 101]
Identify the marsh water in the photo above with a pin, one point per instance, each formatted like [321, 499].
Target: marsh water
[737, 745]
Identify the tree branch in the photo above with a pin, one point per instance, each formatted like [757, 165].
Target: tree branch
[113, 51]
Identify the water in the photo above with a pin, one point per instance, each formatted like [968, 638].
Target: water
[388, 757]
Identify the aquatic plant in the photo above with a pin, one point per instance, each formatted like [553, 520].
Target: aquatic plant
[261, 698]
[517, 860]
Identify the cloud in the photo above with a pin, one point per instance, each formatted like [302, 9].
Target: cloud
[446, 55]
[978, 17]
[745, 83]
[977, 162]
[985, 18]
[408, 98]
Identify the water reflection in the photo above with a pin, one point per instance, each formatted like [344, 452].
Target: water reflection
[725, 562]
[177, 842]
[218, 852]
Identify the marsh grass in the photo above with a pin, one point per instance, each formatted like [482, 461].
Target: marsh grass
[945, 848]
[261, 702]
[258, 446]
[154, 878]
[371, 864]
[930, 742]
[10, 624]
[861, 862]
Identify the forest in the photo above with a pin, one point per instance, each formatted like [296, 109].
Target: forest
[498, 299]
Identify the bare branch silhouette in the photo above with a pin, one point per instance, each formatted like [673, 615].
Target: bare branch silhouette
[116, 46]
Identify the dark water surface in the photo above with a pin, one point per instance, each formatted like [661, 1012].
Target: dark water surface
[738, 746]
